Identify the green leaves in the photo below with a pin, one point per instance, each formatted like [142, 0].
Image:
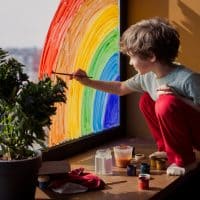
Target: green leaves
[11, 77]
[25, 108]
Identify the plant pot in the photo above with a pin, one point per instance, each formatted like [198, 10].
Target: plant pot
[18, 178]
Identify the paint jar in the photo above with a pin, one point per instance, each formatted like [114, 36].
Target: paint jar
[153, 162]
[131, 170]
[103, 162]
[43, 181]
[123, 155]
[144, 168]
[143, 181]
[160, 163]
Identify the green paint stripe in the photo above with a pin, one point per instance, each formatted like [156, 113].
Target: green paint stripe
[107, 48]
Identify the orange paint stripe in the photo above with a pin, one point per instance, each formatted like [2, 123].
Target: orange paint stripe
[62, 19]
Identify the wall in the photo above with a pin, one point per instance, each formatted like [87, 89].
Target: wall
[185, 15]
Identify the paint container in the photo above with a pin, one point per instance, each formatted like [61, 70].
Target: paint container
[43, 181]
[160, 163]
[103, 162]
[143, 181]
[131, 170]
[144, 168]
[153, 162]
[122, 155]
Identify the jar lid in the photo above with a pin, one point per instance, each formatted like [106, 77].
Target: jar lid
[139, 156]
[103, 152]
[43, 178]
[144, 176]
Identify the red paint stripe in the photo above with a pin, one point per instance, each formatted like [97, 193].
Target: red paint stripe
[56, 33]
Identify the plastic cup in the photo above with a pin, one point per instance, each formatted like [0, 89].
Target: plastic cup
[122, 155]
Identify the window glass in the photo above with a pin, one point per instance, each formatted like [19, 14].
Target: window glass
[84, 34]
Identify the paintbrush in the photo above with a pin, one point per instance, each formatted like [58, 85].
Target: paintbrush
[68, 74]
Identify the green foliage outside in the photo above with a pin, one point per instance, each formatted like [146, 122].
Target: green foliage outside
[25, 108]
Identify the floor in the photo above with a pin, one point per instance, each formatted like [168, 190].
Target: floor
[119, 186]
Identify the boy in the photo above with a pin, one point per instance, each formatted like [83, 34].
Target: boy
[170, 100]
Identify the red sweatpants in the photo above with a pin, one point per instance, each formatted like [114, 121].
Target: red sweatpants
[175, 126]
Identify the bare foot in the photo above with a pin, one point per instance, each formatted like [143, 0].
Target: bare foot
[175, 170]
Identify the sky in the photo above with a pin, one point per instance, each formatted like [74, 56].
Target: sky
[24, 23]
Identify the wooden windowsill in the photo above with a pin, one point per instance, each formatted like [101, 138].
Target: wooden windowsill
[119, 185]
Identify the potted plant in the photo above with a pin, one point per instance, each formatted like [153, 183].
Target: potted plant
[26, 108]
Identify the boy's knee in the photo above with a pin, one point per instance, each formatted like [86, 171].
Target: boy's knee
[143, 102]
[165, 104]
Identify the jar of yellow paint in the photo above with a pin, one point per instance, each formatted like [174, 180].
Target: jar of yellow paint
[160, 163]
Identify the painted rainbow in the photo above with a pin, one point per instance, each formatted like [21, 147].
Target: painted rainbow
[83, 34]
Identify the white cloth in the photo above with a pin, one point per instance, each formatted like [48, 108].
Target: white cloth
[175, 170]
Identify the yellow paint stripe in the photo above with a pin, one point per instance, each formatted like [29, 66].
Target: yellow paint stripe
[106, 21]
[66, 125]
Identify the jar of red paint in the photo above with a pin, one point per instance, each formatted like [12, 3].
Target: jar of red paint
[143, 181]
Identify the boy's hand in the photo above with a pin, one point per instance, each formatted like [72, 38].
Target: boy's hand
[80, 75]
[165, 89]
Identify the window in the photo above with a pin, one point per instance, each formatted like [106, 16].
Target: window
[78, 34]
[23, 29]
[84, 34]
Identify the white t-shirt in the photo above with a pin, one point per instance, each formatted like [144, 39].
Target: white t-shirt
[184, 81]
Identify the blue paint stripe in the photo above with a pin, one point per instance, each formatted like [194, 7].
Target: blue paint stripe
[109, 73]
